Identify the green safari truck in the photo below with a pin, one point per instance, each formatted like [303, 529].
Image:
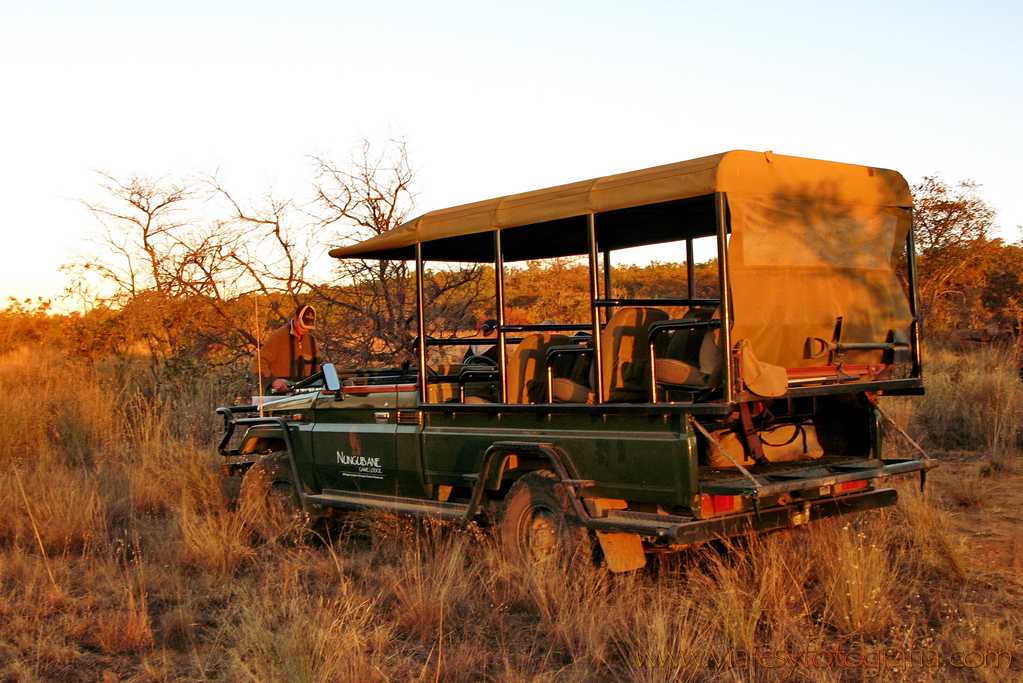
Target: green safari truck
[742, 401]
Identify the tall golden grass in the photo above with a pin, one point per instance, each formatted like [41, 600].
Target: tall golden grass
[120, 560]
[973, 401]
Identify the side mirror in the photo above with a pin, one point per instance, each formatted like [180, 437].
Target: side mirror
[330, 380]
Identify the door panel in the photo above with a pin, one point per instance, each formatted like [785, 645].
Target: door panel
[354, 443]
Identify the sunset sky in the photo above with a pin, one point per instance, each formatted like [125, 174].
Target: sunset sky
[492, 98]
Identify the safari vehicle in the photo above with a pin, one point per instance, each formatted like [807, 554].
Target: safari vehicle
[656, 423]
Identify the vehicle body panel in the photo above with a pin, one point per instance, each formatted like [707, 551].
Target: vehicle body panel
[354, 442]
[636, 457]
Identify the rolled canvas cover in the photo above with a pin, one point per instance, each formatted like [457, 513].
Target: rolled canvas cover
[797, 265]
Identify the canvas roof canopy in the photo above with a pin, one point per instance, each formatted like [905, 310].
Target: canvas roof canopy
[810, 242]
[650, 206]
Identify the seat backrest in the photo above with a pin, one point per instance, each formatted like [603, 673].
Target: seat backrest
[441, 392]
[625, 355]
[685, 344]
[710, 354]
[527, 376]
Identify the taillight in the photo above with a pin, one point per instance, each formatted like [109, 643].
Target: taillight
[716, 505]
[851, 486]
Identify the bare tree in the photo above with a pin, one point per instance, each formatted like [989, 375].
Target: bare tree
[274, 256]
[137, 229]
[370, 195]
[197, 273]
[166, 275]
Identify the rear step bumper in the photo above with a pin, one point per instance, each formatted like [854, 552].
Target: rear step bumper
[773, 484]
[778, 517]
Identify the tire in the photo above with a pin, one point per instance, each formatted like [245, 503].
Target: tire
[538, 525]
[271, 477]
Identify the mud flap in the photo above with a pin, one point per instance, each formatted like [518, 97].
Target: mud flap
[623, 552]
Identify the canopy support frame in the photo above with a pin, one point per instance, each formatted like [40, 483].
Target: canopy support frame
[591, 236]
[502, 334]
[729, 378]
[421, 322]
[914, 296]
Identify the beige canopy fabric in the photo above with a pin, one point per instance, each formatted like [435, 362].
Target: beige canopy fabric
[796, 266]
[811, 241]
[739, 171]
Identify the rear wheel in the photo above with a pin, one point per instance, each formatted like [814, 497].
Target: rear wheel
[538, 524]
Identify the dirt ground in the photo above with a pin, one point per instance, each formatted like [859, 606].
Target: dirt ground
[986, 507]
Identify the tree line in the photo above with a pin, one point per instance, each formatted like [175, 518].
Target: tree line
[189, 277]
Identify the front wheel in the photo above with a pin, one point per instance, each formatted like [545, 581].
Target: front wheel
[269, 481]
[538, 524]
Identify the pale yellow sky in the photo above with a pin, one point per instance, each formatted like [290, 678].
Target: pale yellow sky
[493, 99]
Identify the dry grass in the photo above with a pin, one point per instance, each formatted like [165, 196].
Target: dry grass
[974, 402]
[120, 561]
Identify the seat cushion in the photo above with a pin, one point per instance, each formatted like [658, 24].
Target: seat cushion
[671, 371]
[567, 391]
